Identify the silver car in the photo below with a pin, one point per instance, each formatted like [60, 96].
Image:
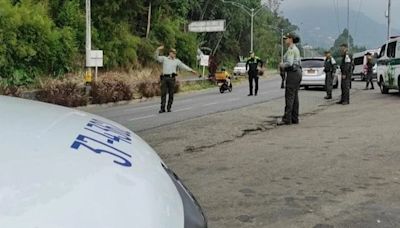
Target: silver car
[313, 73]
[240, 69]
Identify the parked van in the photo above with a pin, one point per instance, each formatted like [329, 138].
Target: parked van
[389, 65]
[360, 64]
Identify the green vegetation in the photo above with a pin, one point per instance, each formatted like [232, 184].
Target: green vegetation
[342, 39]
[47, 37]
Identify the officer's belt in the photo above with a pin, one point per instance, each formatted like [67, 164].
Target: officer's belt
[170, 75]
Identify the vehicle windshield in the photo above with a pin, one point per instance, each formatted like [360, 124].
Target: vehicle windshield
[241, 65]
[312, 63]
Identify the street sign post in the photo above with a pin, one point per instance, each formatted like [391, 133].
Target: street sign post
[207, 26]
[204, 61]
[95, 60]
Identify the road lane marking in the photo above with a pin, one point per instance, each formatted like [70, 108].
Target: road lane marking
[183, 109]
[234, 99]
[142, 117]
[210, 104]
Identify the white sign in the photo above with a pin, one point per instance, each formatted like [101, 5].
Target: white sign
[204, 60]
[95, 59]
[207, 26]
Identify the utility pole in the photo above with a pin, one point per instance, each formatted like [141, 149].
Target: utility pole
[252, 13]
[88, 33]
[389, 18]
[252, 30]
[348, 23]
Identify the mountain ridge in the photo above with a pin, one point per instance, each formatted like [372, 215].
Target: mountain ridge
[320, 26]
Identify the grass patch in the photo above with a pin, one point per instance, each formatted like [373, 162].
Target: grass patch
[200, 85]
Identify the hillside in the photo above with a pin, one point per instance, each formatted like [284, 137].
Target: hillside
[319, 26]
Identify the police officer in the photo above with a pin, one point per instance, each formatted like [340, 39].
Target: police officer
[252, 65]
[292, 67]
[168, 77]
[346, 68]
[329, 69]
[370, 71]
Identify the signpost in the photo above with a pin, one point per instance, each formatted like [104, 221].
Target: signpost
[204, 60]
[207, 26]
[95, 60]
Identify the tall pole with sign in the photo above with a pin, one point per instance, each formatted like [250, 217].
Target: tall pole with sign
[252, 13]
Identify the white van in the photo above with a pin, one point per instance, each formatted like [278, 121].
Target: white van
[389, 66]
[360, 64]
[62, 168]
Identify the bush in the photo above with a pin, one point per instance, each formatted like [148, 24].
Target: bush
[152, 88]
[68, 94]
[9, 90]
[110, 89]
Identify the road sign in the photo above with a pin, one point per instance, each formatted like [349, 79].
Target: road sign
[204, 60]
[207, 26]
[95, 59]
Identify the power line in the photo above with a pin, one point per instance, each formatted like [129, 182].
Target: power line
[336, 9]
[358, 17]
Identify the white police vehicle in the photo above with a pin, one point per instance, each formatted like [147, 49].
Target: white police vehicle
[389, 65]
[62, 168]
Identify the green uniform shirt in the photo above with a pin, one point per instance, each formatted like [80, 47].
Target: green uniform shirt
[170, 65]
[292, 57]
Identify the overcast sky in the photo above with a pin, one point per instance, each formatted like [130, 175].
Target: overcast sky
[374, 8]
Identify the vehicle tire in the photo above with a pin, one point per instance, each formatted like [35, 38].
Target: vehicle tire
[384, 89]
[306, 87]
[221, 89]
[398, 83]
[230, 88]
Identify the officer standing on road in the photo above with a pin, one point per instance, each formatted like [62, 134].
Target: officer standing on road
[346, 67]
[292, 67]
[168, 77]
[370, 71]
[252, 65]
[329, 69]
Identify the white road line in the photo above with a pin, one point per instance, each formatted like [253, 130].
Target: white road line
[210, 104]
[142, 117]
[183, 109]
[234, 99]
[140, 108]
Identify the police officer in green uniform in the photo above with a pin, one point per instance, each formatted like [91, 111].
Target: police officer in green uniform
[292, 67]
[329, 69]
[346, 68]
[168, 77]
[252, 66]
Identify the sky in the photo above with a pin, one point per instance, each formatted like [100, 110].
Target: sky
[373, 8]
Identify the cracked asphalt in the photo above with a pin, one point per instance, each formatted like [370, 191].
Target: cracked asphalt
[338, 168]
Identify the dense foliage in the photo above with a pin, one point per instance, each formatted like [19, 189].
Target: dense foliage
[47, 37]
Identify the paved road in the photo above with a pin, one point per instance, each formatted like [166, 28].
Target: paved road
[144, 116]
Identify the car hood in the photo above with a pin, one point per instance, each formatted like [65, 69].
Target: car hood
[64, 168]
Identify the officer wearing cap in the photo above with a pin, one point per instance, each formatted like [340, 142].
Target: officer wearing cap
[292, 67]
[329, 69]
[168, 77]
[346, 68]
[252, 66]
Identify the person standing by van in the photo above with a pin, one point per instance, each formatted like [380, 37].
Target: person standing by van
[292, 67]
[347, 68]
[369, 71]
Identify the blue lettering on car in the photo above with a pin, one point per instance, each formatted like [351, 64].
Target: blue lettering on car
[112, 137]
